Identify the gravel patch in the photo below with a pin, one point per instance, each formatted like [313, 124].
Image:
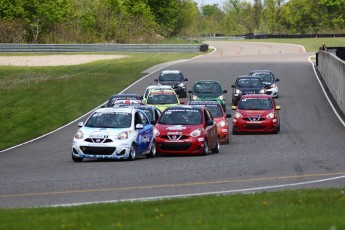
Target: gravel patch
[54, 60]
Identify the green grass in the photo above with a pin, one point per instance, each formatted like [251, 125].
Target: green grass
[304, 209]
[310, 44]
[36, 100]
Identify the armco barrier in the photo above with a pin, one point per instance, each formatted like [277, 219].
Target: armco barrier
[10, 47]
[332, 71]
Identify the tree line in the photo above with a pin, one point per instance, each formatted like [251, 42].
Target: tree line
[146, 21]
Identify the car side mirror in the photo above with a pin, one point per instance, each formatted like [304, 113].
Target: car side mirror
[277, 79]
[225, 91]
[80, 124]
[140, 97]
[209, 123]
[228, 115]
[233, 86]
[186, 79]
[156, 80]
[139, 126]
[190, 91]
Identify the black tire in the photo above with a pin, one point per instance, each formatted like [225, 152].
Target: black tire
[217, 147]
[234, 132]
[205, 152]
[227, 140]
[132, 153]
[153, 150]
[76, 159]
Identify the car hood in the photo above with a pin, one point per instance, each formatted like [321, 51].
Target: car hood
[250, 90]
[162, 107]
[176, 129]
[101, 132]
[254, 113]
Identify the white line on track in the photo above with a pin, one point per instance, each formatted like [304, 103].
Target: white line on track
[205, 193]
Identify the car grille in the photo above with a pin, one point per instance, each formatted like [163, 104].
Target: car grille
[174, 137]
[98, 140]
[253, 126]
[98, 150]
[254, 119]
[175, 146]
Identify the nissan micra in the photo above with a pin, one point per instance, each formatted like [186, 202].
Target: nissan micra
[114, 133]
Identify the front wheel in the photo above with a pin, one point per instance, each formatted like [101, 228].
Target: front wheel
[76, 159]
[217, 147]
[153, 150]
[132, 153]
[205, 152]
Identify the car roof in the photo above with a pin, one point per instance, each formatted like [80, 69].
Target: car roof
[204, 103]
[261, 70]
[256, 96]
[116, 109]
[200, 81]
[170, 71]
[247, 76]
[159, 87]
[184, 107]
[125, 95]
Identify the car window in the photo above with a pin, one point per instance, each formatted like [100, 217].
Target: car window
[144, 120]
[255, 104]
[215, 110]
[109, 120]
[181, 117]
[208, 116]
[170, 77]
[156, 99]
[265, 77]
[249, 82]
[149, 113]
[207, 87]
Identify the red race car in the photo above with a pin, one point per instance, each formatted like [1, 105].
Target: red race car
[220, 117]
[186, 129]
[256, 113]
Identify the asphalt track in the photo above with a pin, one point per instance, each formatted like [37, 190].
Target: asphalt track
[307, 153]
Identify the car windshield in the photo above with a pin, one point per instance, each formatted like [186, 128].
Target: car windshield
[207, 89]
[249, 83]
[114, 99]
[149, 113]
[215, 110]
[109, 120]
[265, 77]
[181, 117]
[159, 99]
[255, 104]
[170, 77]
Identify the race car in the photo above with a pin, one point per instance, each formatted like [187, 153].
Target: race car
[256, 113]
[186, 130]
[162, 99]
[114, 133]
[220, 117]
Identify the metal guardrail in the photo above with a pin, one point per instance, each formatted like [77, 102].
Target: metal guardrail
[15, 47]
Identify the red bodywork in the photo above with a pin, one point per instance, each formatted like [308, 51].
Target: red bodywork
[256, 120]
[176, 139]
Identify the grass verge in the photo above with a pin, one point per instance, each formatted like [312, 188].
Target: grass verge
[303, 209]
[37, 100]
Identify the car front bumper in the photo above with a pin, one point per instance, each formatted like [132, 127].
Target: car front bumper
[190, 146]
[114, 150]
[266, 126]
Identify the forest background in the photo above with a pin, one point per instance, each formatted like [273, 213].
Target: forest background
[150, 21]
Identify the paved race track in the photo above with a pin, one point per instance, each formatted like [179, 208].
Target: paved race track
[308, 152]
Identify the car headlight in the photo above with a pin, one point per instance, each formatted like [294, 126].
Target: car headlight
[237, 115]
[79, 135]
[274, 85]
[221, 97]
[156, 132]
[195, 98]
[262, 91]
[221, 124]
[238, 91]
[122, 136]
[181, 84]
[196, 133]
[270, 115]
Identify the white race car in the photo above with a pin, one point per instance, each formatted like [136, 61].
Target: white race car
[114, 133]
